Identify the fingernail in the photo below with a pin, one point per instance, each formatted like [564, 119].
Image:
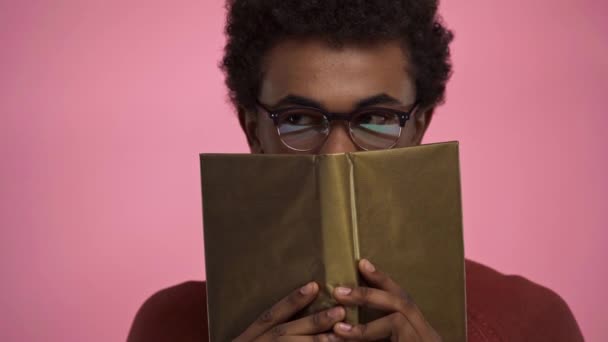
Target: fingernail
[345, 326]
[307, 289]
[333, 338]
[368, 266]
[343, 291]
[336, 313]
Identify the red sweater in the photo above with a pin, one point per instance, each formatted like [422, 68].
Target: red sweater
[499, 308]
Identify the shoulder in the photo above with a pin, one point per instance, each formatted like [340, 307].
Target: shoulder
[178, 313]
[516, 308]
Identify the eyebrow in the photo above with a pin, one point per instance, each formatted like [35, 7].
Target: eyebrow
[366, 102]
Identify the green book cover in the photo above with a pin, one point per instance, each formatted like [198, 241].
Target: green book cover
[272, 223]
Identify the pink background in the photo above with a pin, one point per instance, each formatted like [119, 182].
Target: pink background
[105, 105]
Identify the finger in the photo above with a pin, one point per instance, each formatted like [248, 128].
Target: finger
[383, 281]
[385, 301]
[314, 338]
[309, 325]
[367, 296]
[377, 278]
[281, 311]
[394, 325]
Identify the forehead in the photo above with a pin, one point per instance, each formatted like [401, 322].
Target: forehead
[336, 76]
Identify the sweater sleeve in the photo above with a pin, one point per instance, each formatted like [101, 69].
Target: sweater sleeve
[552, 320]
[176, 314]
[513, 308]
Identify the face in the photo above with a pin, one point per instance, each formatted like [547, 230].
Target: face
[337, 80]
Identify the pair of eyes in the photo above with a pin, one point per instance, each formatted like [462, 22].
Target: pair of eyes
[313, 118]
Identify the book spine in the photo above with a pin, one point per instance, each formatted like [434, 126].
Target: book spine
[338, 227]
[353, 208]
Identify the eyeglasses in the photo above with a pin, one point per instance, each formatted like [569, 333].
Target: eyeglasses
[302, 128]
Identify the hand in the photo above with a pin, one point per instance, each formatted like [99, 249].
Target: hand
[404, 322]
[273, 325]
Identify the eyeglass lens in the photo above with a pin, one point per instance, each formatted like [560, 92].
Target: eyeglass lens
[305, 129]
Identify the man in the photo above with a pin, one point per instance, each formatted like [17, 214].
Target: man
[333, 76]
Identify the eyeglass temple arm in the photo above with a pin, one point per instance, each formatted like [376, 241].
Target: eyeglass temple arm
[272, 114]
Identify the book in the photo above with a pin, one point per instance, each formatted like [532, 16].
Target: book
[272, 223]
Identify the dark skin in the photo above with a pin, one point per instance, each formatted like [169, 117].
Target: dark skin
[338, 80]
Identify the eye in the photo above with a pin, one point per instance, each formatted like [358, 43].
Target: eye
[303, 118]
[299, 119]
[376, 118]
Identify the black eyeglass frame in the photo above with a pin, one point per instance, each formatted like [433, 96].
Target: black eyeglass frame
[275, 115]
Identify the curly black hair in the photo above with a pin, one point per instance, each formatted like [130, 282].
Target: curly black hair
[254, 26]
